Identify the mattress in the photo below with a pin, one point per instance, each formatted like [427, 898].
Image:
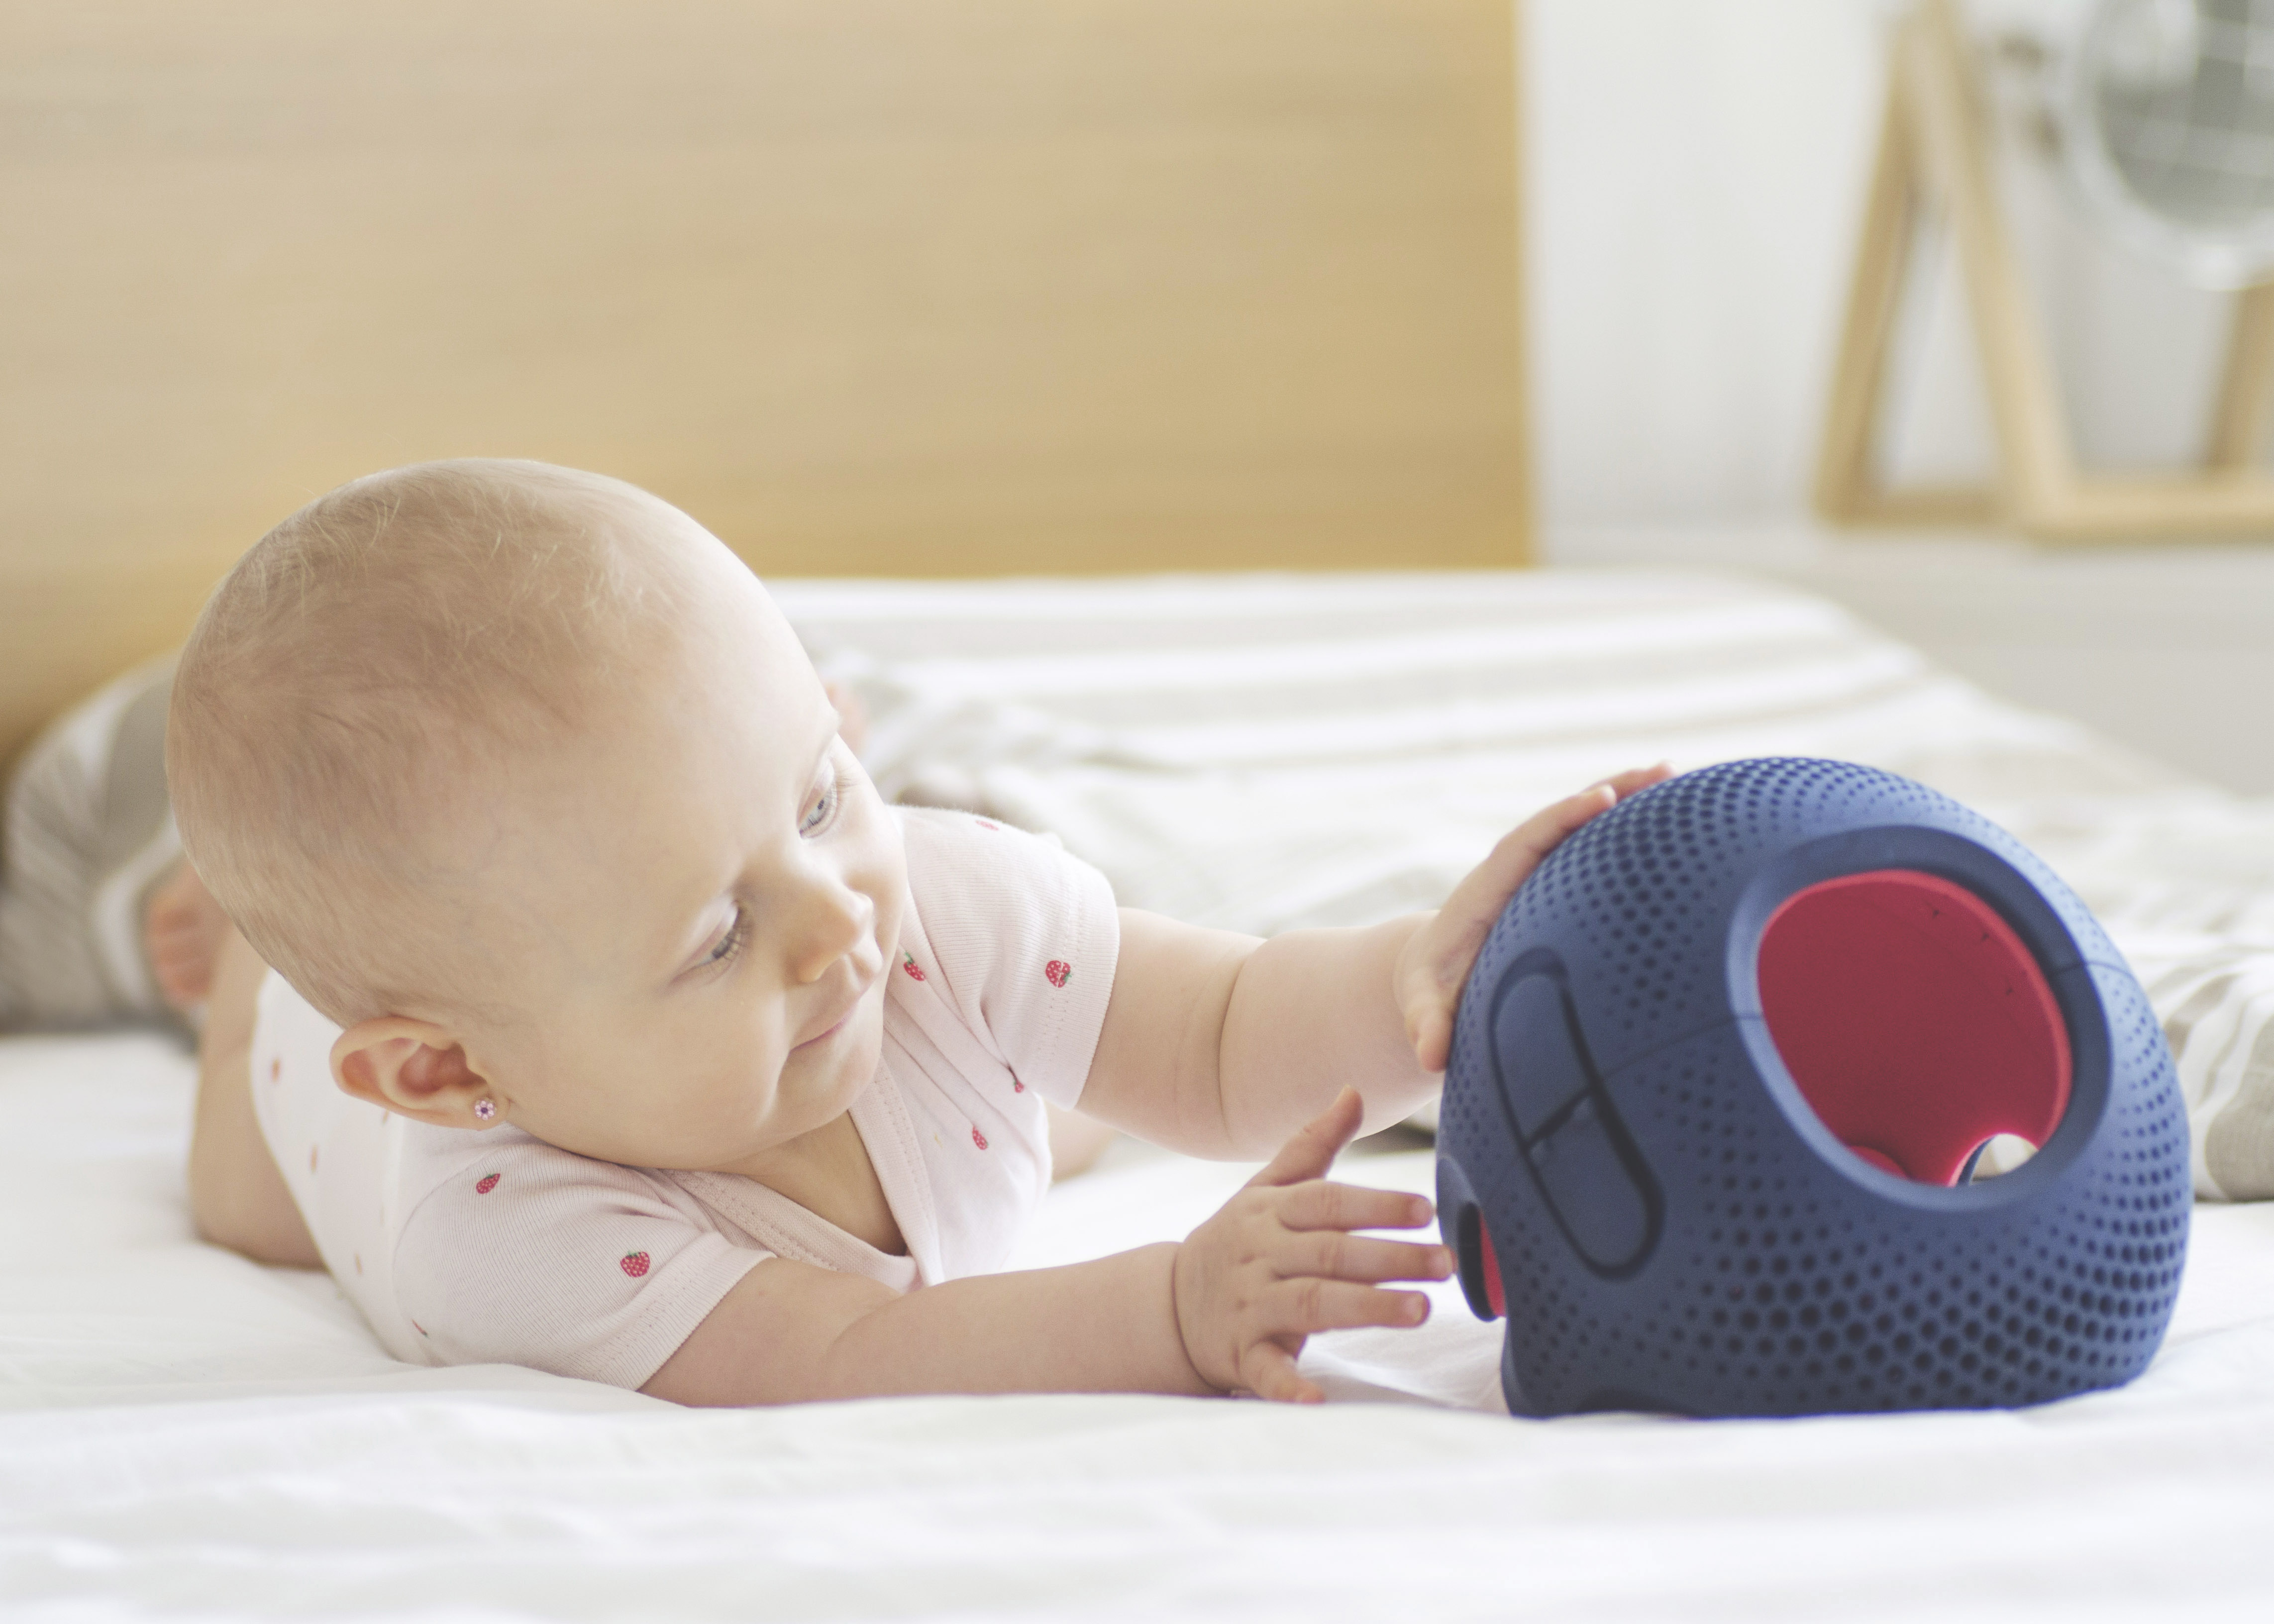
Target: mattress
[185, 1435]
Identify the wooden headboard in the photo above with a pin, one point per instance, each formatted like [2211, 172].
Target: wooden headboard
[868, 286]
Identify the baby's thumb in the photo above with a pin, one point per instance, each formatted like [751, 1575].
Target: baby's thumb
[1315, 1145]
[1429, 1029]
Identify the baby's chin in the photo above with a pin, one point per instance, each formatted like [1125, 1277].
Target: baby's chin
[866, 1030]
[832, 1072]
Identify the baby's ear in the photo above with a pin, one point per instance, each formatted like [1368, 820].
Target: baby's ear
[413, 1068]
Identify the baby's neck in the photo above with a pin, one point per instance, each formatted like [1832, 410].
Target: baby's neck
[828, 1173]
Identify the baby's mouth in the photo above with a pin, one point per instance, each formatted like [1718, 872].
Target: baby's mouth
[819, 1038]
[844, 1019]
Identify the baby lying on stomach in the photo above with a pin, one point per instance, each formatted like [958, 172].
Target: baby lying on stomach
[617, 1028]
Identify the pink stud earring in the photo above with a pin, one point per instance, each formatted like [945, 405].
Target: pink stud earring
[485, 1109]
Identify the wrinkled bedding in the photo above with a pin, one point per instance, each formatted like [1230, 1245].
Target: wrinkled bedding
[187, 1435]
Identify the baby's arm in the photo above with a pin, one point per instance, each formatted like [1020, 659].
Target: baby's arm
[1222, 1045]
[1227, 1308]
[790, 1332]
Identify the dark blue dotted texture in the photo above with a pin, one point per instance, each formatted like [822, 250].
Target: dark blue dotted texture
[1787, 1277]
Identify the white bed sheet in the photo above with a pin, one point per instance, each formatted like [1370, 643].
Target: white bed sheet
[184, 1434]
[188, 1435]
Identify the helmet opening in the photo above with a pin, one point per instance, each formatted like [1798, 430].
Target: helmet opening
[1913, 1021]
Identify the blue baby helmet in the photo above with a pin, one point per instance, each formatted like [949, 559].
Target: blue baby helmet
[1719, 1083]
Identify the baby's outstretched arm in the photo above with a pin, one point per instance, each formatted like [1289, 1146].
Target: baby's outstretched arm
[1227, 1308]
[1222, 1045]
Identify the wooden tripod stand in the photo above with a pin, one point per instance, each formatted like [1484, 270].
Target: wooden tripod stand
[1934, 155]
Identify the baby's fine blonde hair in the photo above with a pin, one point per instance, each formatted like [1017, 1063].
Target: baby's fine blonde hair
[356, 670]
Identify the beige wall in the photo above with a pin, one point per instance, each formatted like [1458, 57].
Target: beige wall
[867, 286]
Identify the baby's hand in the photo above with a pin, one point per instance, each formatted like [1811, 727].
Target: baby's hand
[1279, 1263]
[1434, 965]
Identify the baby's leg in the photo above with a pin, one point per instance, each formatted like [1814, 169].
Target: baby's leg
[87, 839]
[237, 1196]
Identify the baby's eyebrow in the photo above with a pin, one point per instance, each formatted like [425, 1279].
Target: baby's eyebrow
[828, 741]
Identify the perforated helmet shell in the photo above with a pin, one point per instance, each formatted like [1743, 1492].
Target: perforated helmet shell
[1628, 1163]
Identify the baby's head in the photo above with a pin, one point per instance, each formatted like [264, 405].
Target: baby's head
[517, 774]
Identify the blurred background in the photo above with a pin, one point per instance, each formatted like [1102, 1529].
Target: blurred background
[1562, 280]
[1695, 175]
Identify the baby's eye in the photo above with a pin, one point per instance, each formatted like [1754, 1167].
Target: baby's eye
[824, 808]
[731, 943]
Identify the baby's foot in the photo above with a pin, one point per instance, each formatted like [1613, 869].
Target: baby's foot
[182, 932]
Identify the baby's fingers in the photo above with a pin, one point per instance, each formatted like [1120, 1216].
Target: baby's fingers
[1331, 1255]
[1495, 879]
[1429, 1029]
[1315, 1145]
[1299, 1307]
[1320, 1205]
[1634, 780]
[1269, 1371]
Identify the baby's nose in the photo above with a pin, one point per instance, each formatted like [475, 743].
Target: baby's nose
[836, 923]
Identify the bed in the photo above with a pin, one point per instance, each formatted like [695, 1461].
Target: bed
[187, 1433]
[884, 323]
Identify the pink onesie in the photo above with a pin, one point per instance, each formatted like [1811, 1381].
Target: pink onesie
[463, 1247]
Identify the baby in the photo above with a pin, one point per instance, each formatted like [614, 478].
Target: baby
[618, 1028]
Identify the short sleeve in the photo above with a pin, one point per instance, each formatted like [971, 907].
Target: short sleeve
[524, 1255]
[1023, 936]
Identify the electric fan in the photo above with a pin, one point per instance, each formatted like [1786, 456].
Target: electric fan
[2163, 111]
